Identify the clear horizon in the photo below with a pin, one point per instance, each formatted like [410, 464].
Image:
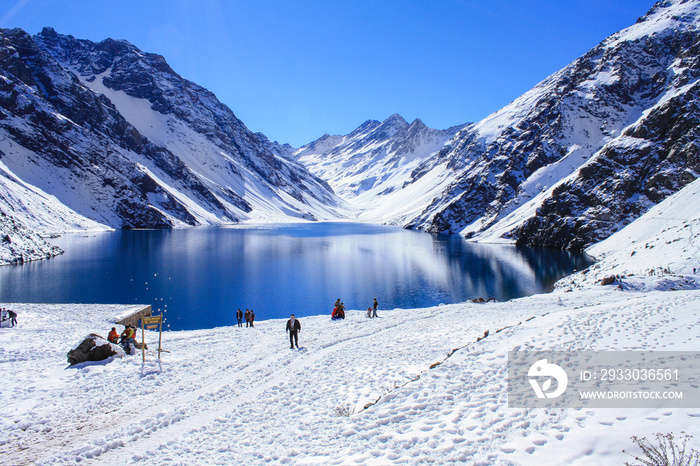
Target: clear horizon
[297, 70]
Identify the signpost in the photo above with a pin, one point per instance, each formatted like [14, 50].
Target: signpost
[151, 323]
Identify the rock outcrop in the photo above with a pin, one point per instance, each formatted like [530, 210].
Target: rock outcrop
[93, 348]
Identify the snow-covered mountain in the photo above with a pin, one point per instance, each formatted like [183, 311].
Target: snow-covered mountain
[103, 135]
[585, 152]
[97, 135]
[374, 160]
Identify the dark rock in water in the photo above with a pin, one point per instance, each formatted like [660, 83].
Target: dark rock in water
[93, 348]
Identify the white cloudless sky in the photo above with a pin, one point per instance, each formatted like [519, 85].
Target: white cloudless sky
[297, 69]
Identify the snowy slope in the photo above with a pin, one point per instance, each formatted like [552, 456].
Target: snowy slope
[573, 160]
[360, 391]
[652, 252]
[39, 211]
[239, 167]
[28, 213]
[18, 244]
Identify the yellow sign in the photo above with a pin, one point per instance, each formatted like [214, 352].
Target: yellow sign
[152, 320]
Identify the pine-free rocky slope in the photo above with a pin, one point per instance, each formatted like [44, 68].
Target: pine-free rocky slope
[586, 151]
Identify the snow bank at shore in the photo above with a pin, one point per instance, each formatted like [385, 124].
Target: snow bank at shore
[411, 386]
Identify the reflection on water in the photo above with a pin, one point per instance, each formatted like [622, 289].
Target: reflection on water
[200, 276]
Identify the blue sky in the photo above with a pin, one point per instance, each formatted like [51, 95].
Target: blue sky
[297, 69]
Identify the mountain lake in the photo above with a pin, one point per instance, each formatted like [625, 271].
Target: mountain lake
[198, 277]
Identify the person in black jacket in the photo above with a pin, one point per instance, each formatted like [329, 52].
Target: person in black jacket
[13, 317]
[293, 328]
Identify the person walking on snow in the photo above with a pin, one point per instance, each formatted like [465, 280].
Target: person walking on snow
[252, 317]
[239, 316]
[13, 317]
[247, 317]
[374, 307]
[293, 328]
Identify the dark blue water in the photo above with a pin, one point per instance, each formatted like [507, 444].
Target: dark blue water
[198, 277]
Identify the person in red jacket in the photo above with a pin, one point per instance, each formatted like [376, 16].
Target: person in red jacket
[113, 336]
[338, 312]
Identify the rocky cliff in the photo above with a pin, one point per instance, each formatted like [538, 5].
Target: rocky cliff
[586, 151]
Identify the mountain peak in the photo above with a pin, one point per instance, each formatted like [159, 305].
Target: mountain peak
[417, 123]
[48, 32]
[395, 119]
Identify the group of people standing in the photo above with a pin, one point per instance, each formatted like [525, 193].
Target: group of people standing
[293, 327]
[249, 317]
[339, 310]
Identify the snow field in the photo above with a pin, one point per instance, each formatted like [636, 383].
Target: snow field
[359, 391]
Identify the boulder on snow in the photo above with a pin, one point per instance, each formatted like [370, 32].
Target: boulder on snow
[608, 280]
[93, 348]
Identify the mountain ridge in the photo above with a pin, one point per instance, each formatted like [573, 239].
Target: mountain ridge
[112, 137]
[373, 160]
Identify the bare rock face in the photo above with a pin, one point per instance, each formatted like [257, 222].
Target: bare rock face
[93, 348]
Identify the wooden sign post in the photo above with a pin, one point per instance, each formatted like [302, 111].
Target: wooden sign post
[151, 323]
